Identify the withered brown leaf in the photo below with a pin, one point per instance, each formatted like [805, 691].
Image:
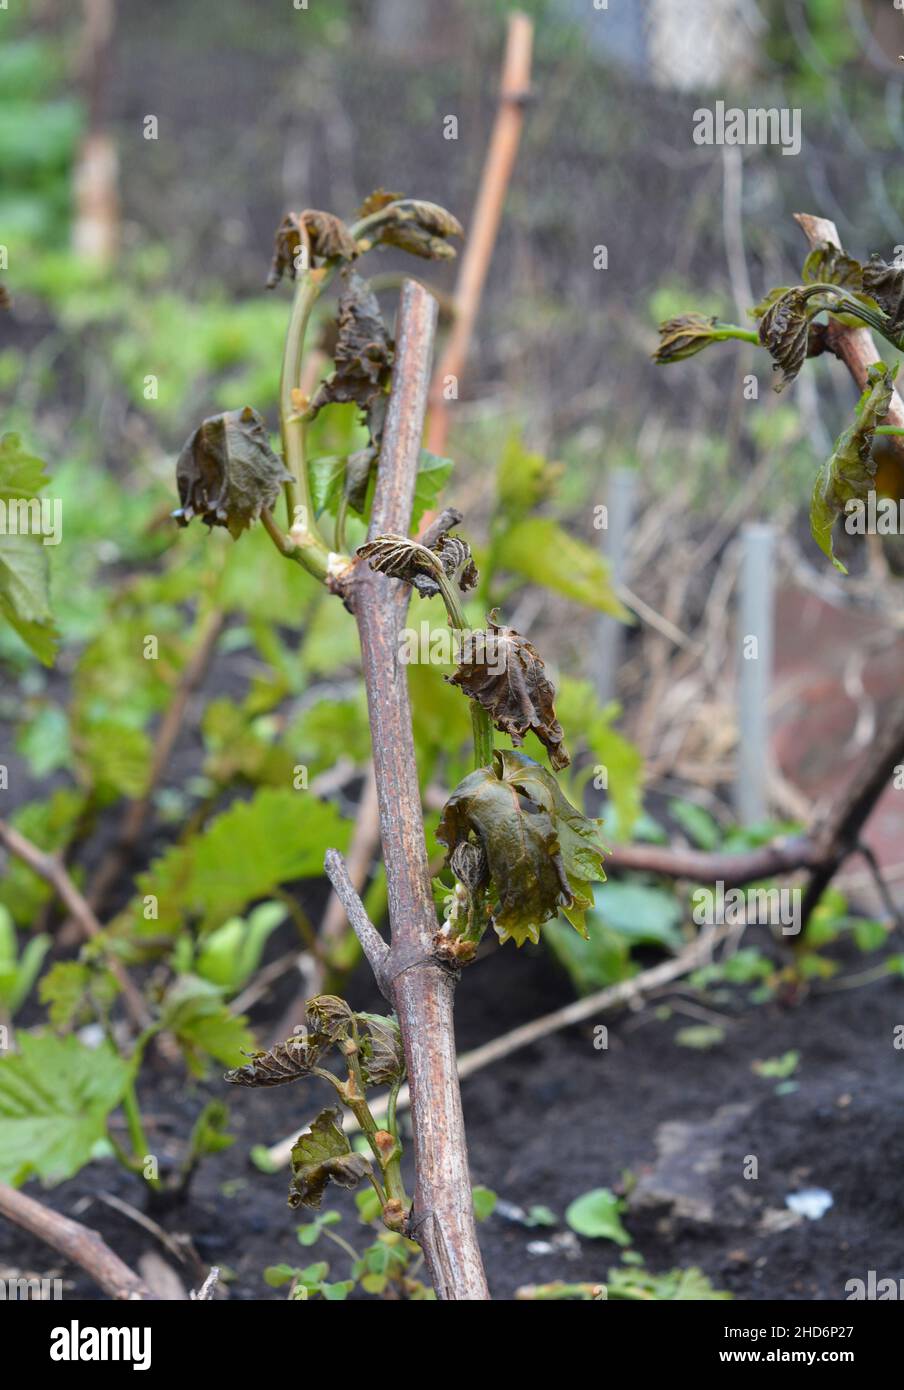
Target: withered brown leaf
[784, 330]
[683, 337]
[885, 284]
[227, 472]
[287, 1061]
[418, 564]
[418, 227]
[363, 353]
[506, 675]
[325, 236]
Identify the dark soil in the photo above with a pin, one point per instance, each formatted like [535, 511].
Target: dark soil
[557, 1119]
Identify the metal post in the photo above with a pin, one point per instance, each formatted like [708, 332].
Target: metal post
[610, 633]
[755, 644]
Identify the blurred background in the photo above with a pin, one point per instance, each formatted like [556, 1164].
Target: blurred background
[148, 154]
[637, 522]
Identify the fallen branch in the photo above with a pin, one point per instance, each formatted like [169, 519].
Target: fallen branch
[75, 1242]
[53, 871]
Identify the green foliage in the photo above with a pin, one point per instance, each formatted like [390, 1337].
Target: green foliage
[49, 825]
[55, 1096]
[194, 1012]
[77, 992]
[229, 955]
[597, 1215]
[247, 852]
[625, 914]
[484, 1202]
[540, 550]
[24, 572]
[779, 1068]
[590, 729]
[700, 1036]
[679, 1285]
[18, 972]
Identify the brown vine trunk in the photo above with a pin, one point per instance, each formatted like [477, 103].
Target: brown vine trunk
[421, 989]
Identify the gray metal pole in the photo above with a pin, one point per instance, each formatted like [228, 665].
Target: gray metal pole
[756, 619]
[610, 633]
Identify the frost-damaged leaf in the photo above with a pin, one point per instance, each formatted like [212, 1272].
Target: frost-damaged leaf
[829, 265]
[363, 353]
[505, 674]
[287, 1061]
[848, 474]
[227, 472]
[580, 846]
[325, 236]
[194, 1010]
[382, 1055]
[683, 337]
[320, 1155]
[784, 331]
[375, 201]
[885, 284]
[418, 227]
[418, 563]
[540, 850]
[330, 1016]
[543, 552]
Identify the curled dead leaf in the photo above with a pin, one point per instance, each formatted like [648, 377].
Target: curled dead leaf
[784, 331]
[506, 675]
[322, 235]
[683, 337]
[287, 1061]
[363, 353]
[227, 472]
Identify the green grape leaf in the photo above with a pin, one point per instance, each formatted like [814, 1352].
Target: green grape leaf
[541, 551]
[24, 568]
[246, 853]
[195, 1013]
[55, 1096]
